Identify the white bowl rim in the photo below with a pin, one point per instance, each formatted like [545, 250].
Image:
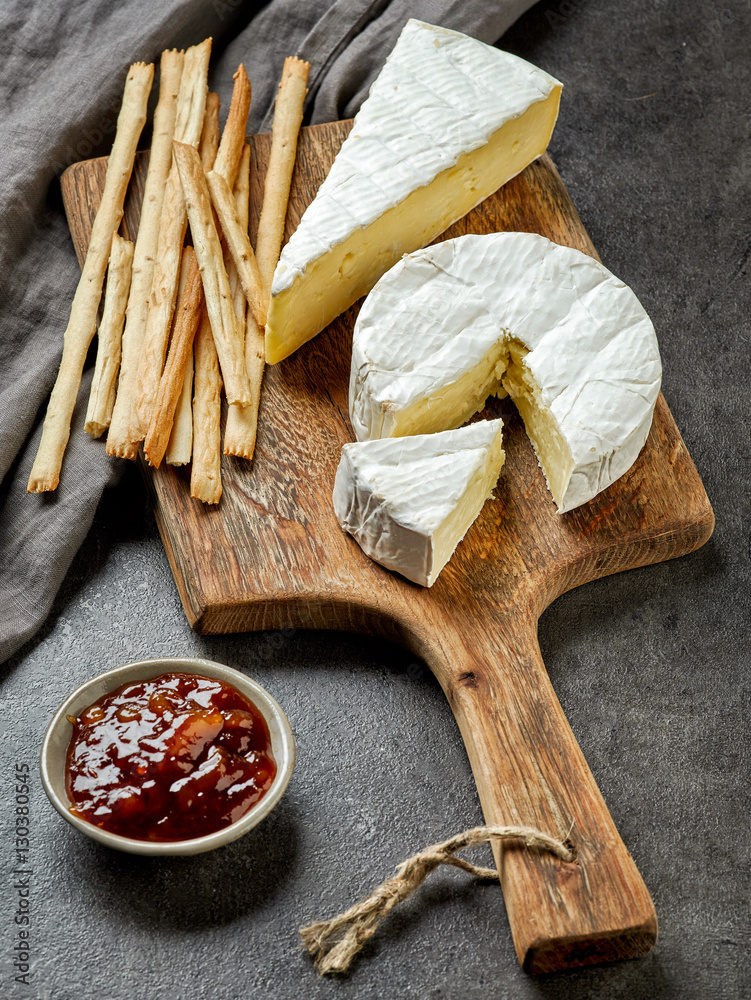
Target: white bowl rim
[268, 706]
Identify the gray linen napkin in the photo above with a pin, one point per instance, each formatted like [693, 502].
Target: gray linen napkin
[62, 70]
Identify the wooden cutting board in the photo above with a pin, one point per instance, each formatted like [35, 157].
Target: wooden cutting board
[272, 555]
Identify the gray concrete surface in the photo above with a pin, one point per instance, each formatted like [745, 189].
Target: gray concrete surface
[651, 666]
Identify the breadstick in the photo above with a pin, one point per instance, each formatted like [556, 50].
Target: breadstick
[45, 473]
[236, 236]
[206, 481]
[242, 421]
[191, 105]
[183, 277]
[104, 383]
[206, 472]
[233, 136]
[241, 192]
[121, 439]
[209, 143]
[287, 120]
[187, 315]
[224, 325]
[180, 447]
[183, 431]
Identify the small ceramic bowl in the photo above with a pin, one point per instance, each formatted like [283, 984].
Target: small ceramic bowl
[59, 732]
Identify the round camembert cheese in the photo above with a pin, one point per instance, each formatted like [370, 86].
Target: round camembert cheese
[452, 324]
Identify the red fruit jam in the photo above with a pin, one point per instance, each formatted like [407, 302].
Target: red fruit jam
[171, 758]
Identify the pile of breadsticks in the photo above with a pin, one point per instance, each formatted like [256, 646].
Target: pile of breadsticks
[179, 321]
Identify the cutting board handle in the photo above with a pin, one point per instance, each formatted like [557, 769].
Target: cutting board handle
[530, 772]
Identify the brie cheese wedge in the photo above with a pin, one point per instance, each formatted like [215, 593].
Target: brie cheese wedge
[408, 502]
[454, 323]
[447, 122]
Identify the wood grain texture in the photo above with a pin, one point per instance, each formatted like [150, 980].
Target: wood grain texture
[272, 555]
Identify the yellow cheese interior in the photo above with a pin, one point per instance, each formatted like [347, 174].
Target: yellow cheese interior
[456, 525]
[501, 370]
[349, 270]
[551, 449]
[454, 404]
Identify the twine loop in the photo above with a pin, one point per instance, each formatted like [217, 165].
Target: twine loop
[334, 943]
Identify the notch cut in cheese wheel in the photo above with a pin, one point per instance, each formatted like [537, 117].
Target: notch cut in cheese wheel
[408, 502]
[450, 325]
[447, 122]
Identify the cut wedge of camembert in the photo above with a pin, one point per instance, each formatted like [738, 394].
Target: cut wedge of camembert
[452, 324]
[408, 502]
[447, 122]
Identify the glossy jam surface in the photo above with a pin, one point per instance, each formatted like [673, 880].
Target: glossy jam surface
[171, 758]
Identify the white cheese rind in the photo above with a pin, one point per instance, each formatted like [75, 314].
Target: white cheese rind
[592, 354]
[399, 497]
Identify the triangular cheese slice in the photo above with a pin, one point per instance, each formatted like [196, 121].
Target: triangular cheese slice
[458, 321]
[409, 501]
[447, 122]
